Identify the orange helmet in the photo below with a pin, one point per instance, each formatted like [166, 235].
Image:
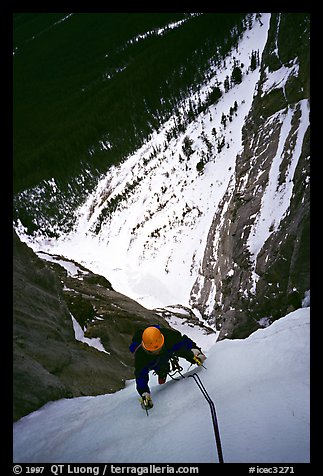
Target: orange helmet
[152, 339]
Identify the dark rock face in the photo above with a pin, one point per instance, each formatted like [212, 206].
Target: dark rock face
[48, 362]
[273, 281]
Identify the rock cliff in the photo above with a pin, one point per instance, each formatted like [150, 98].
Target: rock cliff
[48, 362]
[248, 281]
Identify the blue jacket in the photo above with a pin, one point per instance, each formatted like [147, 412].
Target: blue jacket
[175, 343]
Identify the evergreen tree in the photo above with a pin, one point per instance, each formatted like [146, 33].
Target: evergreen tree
[187, 147]
[226, 84]
[200, 166]
[224, 120]
[221, 144]
[253, 62]
[236, 75]
[213, 96]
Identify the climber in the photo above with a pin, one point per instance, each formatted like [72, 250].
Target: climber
[153, 348]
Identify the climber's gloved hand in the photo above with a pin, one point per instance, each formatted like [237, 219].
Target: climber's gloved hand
[199, 357]
[146, 401]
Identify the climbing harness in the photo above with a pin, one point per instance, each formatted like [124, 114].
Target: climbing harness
[176, 368]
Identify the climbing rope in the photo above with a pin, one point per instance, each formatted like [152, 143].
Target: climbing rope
[213, 414]
[176, 368]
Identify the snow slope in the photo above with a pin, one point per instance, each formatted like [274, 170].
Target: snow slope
[260, 387]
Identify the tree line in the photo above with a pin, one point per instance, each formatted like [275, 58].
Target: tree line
[64, 105]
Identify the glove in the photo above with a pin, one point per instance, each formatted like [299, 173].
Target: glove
[199, 357]
[146, 401]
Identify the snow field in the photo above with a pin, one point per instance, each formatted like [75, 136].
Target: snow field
[260, 388]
